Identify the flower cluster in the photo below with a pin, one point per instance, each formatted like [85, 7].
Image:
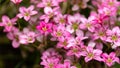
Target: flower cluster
[74, 34]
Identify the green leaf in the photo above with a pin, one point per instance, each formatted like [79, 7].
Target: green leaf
[117, 65]
[78, 65]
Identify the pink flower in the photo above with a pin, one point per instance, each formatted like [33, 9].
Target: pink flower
[114, 37]
[88, 24]
[73, 22]
[100, 34]
[49, 13]
[80, 35]
[91, 53]
[75, 50]
[60, 19]
[100, 19]
[13, 35]
[16, 1]
[44, 28]
[58, 32]
[111, 3]
[74, 42]
[110, 59]
[107, 11]
[27, 36]
[50, 63]
[48, 3]
[7, 23]
[50, 58]
[63, 42]
[26, 12]
[67, 64]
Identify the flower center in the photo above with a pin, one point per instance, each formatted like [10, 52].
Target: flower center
[75, 26]
[48, 4]
[9, 24]
[111, 3]
[62, 20]
[75, 50]
[44, 29]
[114, 37]
[88, 25]
[65, 43]
[51, 65]
[26, 14]
[90, 55]
[59, 33]
[109, 60]
[101, 34]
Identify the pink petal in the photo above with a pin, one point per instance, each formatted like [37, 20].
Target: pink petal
[79, 33]
[20, 15]
[1, 24]
[91, 44]
[98, 58]
[5, 19]
[48, 10]
[15, 44]
[33, 12]
[22, 9]
[30, 8]
[87, 59]
[40, 5]
[82, 26]
[26, 18]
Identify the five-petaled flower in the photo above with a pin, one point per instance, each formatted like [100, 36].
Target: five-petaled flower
[26, 12]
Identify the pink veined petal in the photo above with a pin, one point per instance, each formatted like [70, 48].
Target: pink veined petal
[69, 29]
[23, 39]
[82, 26]
[25, 30]
[47, 19]
[83, 20]
[30, 8]
[109, 64]
[8, 28]
[109, 32]
[91, 44]
[20, 15]
[114, 29]
[15, 44]
[79, 33]
[88, 59]
[5, 19]
[114, 46]
[112, 54]
[117, 60]
[92, 29]
[26, 18]
[98, 58]
[48, 10]
[43, 17]
[40, 5]
[99, 46]
[33, 12]
[104, 55]
[22, 9]
[89, 49]
[97, 52]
